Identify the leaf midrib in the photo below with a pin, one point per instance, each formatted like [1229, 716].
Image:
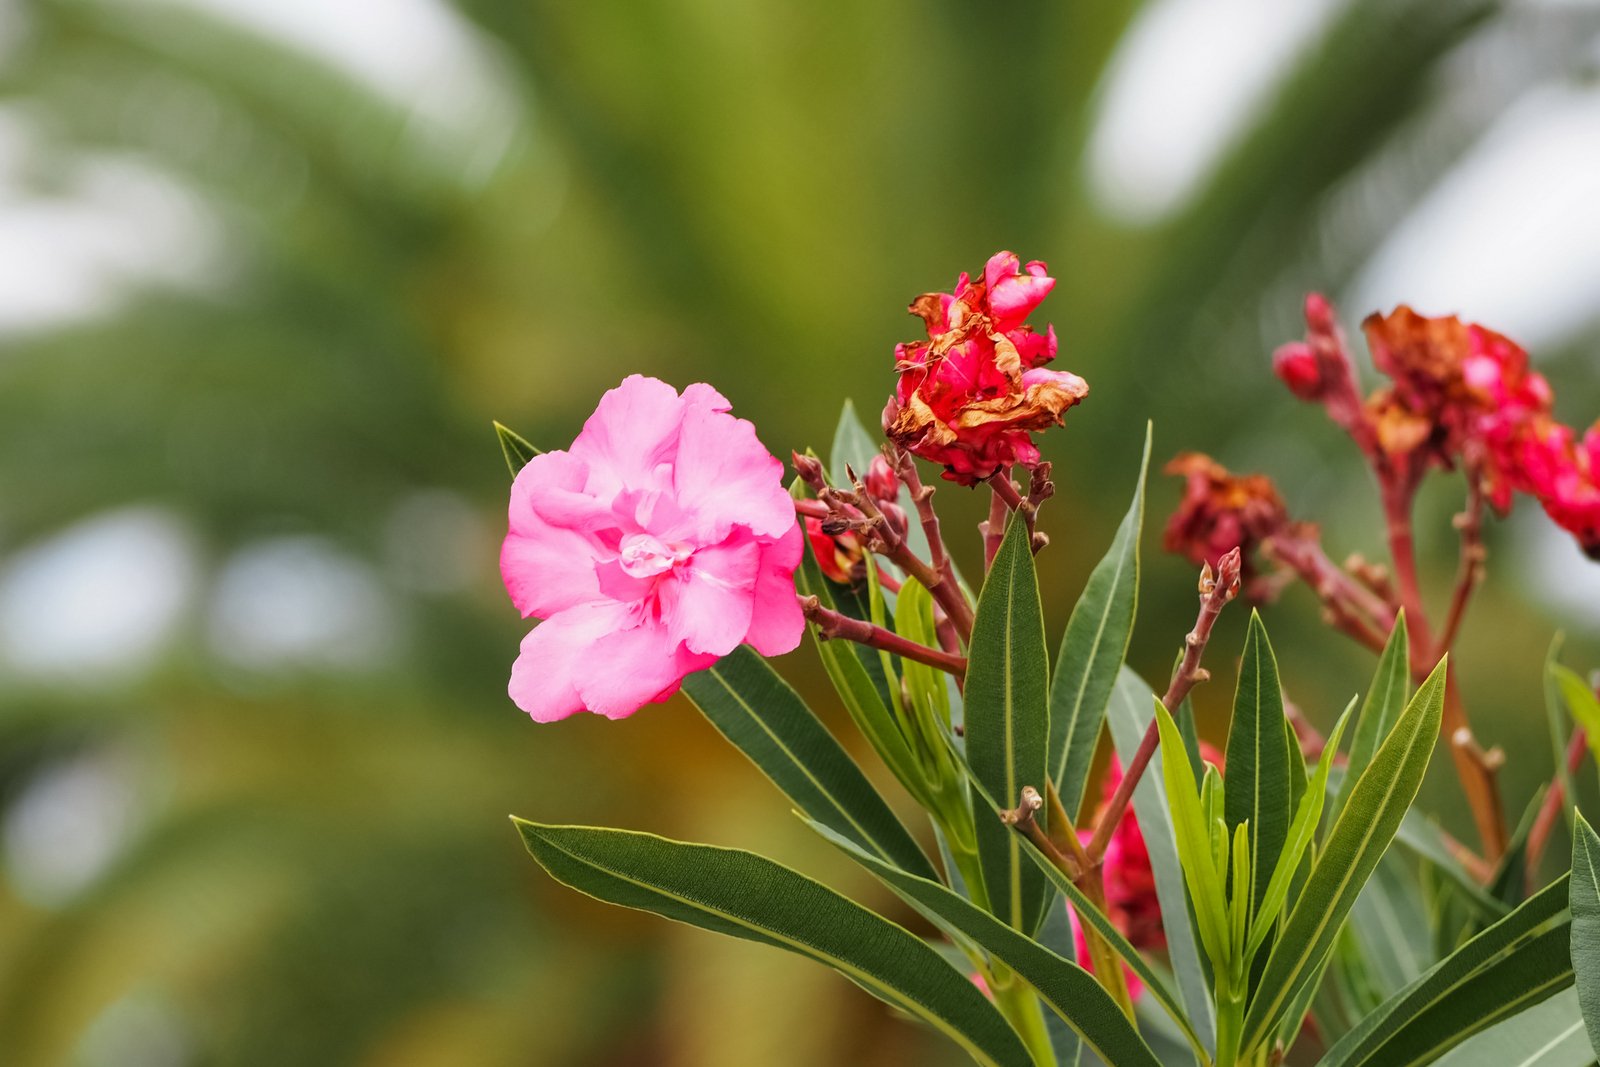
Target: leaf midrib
[803, 947]
[1344, 880]
[805, 770]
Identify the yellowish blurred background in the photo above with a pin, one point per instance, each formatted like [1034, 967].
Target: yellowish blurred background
[268, 268]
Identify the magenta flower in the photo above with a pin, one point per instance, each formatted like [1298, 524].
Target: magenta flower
[660, 541]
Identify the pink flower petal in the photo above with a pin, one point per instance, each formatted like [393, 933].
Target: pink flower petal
[776, 624]
[632, 433]
[628, 669]
[544, 679]
[537, 558]
[724, 476]
[716, 595]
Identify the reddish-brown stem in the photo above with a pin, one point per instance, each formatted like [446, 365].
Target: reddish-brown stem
[1005, 490]
[1545, 821]
[833, 624]
[938, 555]
[814, 509]
[946, 593]
[994, 528]
[1215, 592]
[1474, 767]
[1106, 966]
[1470, 571]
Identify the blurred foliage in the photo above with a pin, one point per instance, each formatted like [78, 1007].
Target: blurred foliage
[318, 869]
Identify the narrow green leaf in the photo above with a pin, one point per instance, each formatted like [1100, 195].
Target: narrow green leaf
[1549, 1034]
[514, 447]
[1258, 757]
[1092, 916]
[1391, 927]
[1092, 651]
[1585, 903]
[853, 446]
[1070, 991]
[1353, 847]
[1301, 833]
[1129, 716]
[1421, 837]
[1196, 854]
[743, 895]
[1391, 688]
[753, 707]
[1519, 961]
[1007, 720]
[1582, 703]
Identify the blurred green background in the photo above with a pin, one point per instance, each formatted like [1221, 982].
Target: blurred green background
[268, 270]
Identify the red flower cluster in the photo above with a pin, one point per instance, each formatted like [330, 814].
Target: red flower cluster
[970, 395]
[1459, 394]
[1220, 511]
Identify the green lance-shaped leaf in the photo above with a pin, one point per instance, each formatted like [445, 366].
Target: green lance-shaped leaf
[756, 709]
[1196, 852]
[1071, 992]
[1353, 847]
[1258, 758]
[1007, 725]
[1582, 703]
[1087, 913]
[1515, 963]
[747, 896]
[1129, 717]
[1585, 902]
[515, 447]
[1301, 833]
[1391, 687]
[1549, 1034]
[1092, 651]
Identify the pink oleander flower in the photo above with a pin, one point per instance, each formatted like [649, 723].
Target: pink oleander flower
[970, 396]
[660, 541]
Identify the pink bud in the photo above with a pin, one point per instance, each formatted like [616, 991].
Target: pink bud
[1319, 314]
[1296, 364]
[881, 482]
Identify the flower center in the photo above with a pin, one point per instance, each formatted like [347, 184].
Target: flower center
[643, 556]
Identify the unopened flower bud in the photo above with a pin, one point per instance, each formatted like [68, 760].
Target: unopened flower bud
[1319, 314]
[1296, 364]
[881, 482]
[809, 468]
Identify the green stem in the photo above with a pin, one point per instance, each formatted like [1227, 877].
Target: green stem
[1230, 1020]
[1020, 1005]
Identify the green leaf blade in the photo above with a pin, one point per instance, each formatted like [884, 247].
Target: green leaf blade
[755, 709]
[747, 896]
[1129, 717]
[1514, 964]
[1357, 841]
[516, 448]
[1070, 991]
[1258, 758]
[1092, 651]
[1585, 902]
[1007, 725]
